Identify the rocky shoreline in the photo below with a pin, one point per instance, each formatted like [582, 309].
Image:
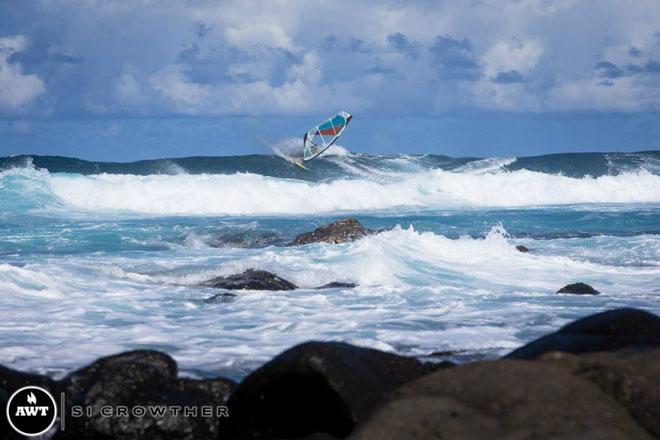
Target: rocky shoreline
[597, 377]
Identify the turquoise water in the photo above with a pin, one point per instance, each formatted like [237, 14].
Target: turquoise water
[96, 258]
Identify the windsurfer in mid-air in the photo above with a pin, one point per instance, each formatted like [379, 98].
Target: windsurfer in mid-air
[321, 137]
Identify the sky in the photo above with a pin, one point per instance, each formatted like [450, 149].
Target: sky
[127, 80]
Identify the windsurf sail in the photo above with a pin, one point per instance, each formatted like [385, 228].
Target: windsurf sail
[321, 137]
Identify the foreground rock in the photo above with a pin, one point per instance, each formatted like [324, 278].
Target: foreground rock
[606, 331]
[316, 387]
[522, 248]
[251, 279]
[503, 399]
[579, 289]
[341, 231]
[141, 379]
[630, 377]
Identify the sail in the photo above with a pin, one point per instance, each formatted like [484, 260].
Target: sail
[321, 137]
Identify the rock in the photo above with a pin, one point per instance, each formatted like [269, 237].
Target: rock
[223, 297]
[251, 279]
[316, 387]
[522, 248]
[337, 285]
[247, 239]
[503, 399]
[341, 231]
[141, 379]
[630, 377]
[78, 381]
[579, 289]
[606, 331]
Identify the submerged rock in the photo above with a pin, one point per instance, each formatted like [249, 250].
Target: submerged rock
[579, 289]
[606, 331]
[223, 297]
[337, 285]
[316, 387]
[251, 279]
[341, 231]
[522, 248]
[501, 400]
[140, 379]
[247, 239]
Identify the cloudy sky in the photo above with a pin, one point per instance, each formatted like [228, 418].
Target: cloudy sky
[120, 80]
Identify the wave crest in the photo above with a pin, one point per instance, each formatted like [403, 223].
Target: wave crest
[254, 194]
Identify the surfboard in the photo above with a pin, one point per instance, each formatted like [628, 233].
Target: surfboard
[295, 162]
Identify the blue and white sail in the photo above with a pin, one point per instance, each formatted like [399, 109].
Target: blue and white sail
[321, 137]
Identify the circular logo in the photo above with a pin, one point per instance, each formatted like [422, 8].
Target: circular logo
[31, 411]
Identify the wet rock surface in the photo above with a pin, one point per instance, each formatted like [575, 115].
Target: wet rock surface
[606, 331]
[249, 240]
[579, 289]
[251, 279]
[337, 232]
[337, 285]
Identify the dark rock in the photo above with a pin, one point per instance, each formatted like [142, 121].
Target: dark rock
[504, 399]
[606, 331]
[445, 353]
[522, 248]
[223, 297]
[140, 378]
[630, 377]
[337, 285]
[251, 279]
[341, 231]
[579, 289]
[78, 381]
[248, 239]
[316, 387]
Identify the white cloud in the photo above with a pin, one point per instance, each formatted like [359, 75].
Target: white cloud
[189, 97]
[129, 90]
[250, 34]
[517, 55]
[17, 90]
[302, 92]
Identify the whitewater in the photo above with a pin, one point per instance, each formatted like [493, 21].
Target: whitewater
[97, 258]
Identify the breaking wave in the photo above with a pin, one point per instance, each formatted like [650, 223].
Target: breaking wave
[28, 188]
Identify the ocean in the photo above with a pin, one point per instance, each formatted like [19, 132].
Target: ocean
[98, 258]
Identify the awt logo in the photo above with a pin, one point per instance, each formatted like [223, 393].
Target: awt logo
[31, 411]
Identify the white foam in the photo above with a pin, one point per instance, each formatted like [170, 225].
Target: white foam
[246, 194]
[417, 293]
